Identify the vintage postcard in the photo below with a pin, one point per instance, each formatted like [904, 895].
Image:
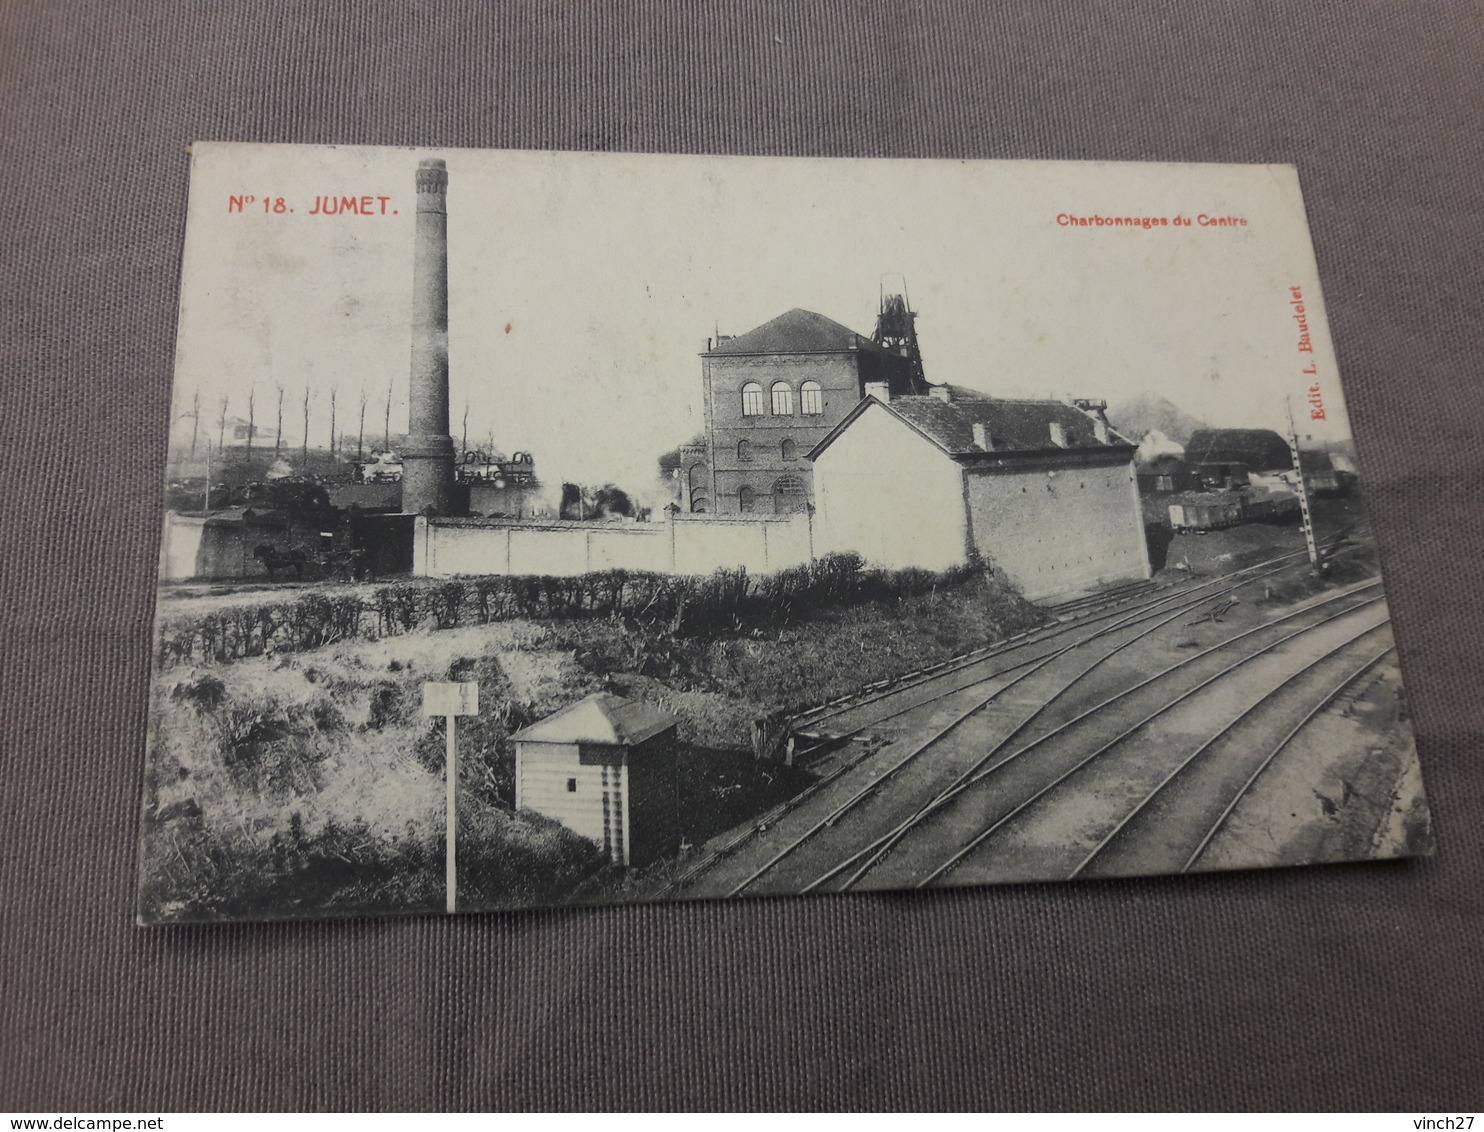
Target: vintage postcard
[553, 528]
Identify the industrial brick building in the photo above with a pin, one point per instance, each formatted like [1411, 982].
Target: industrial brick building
[605, 768]
[771, 395]
[1041, 491]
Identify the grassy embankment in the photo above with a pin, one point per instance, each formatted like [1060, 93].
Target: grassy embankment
[310, 784]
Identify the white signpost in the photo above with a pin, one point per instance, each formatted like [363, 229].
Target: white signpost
[451, 700]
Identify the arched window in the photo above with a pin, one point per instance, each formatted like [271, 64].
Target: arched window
[752, 399]
[744, 451]
[699, 491]
[789, 451]
[788, 496]
[811, 399]
[783, 399]
[745, 499]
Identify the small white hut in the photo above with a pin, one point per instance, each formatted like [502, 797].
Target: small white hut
[605, 768]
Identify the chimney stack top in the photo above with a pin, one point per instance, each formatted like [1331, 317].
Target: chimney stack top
[432, 177]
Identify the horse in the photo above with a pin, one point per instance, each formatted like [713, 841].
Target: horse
[274, 558]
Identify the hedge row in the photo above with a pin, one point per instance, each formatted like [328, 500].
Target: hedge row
[685, 605]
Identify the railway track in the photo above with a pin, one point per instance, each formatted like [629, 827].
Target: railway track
[969, 670]
[926, 823]
[814, 724]
[1043, 832]
[1219, 769]
[835, 723]
[1103, 597]
[856, 783]
[813, 820]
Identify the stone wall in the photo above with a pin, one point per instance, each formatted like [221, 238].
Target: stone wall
[1052, 529]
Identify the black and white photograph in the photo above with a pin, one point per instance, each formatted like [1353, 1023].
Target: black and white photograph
[562, 529]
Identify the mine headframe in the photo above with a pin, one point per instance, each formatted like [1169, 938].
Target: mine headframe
[896, 330]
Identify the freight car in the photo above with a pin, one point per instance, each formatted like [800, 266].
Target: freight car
[1271, 509]
[1232, 510]
[1202, 517]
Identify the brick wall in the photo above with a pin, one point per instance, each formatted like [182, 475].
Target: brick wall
[725, 376]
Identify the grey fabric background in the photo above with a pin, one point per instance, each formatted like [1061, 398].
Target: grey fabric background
[1346, 987]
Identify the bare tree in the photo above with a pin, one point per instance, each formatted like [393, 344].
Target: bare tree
[304, 459]
[386, 440]
[278, 436]
[195, 419]
[252, 400]
[464, 440]
[334, 396]
[361, 435]
[221, 429]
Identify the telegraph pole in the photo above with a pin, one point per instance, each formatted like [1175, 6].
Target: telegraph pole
[1303, 491]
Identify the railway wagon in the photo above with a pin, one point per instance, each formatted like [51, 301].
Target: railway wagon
[1275, 509]
[1202, 517]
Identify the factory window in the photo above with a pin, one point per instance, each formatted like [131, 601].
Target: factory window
[811, 399]
[745, 499]
[752, 399]
[571, 786]
[744, 451]
[789, 450]
[788, 496]
[783, 399]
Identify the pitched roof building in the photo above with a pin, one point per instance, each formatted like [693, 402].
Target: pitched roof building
[1041, 491]
[1254, 449]
[770, 395]
[605, 768]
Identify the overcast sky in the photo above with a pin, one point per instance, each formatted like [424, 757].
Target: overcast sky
[583, 286]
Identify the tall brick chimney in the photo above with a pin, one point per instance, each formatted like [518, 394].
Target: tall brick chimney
[427, 456]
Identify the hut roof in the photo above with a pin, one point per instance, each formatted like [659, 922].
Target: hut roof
[603, 719]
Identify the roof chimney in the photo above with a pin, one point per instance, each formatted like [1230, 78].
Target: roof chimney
[880, 390]
[1058, 434]
[1100, 430]
[982, 438]
[943, 393]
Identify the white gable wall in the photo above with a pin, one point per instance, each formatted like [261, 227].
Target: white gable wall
[885, 492]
